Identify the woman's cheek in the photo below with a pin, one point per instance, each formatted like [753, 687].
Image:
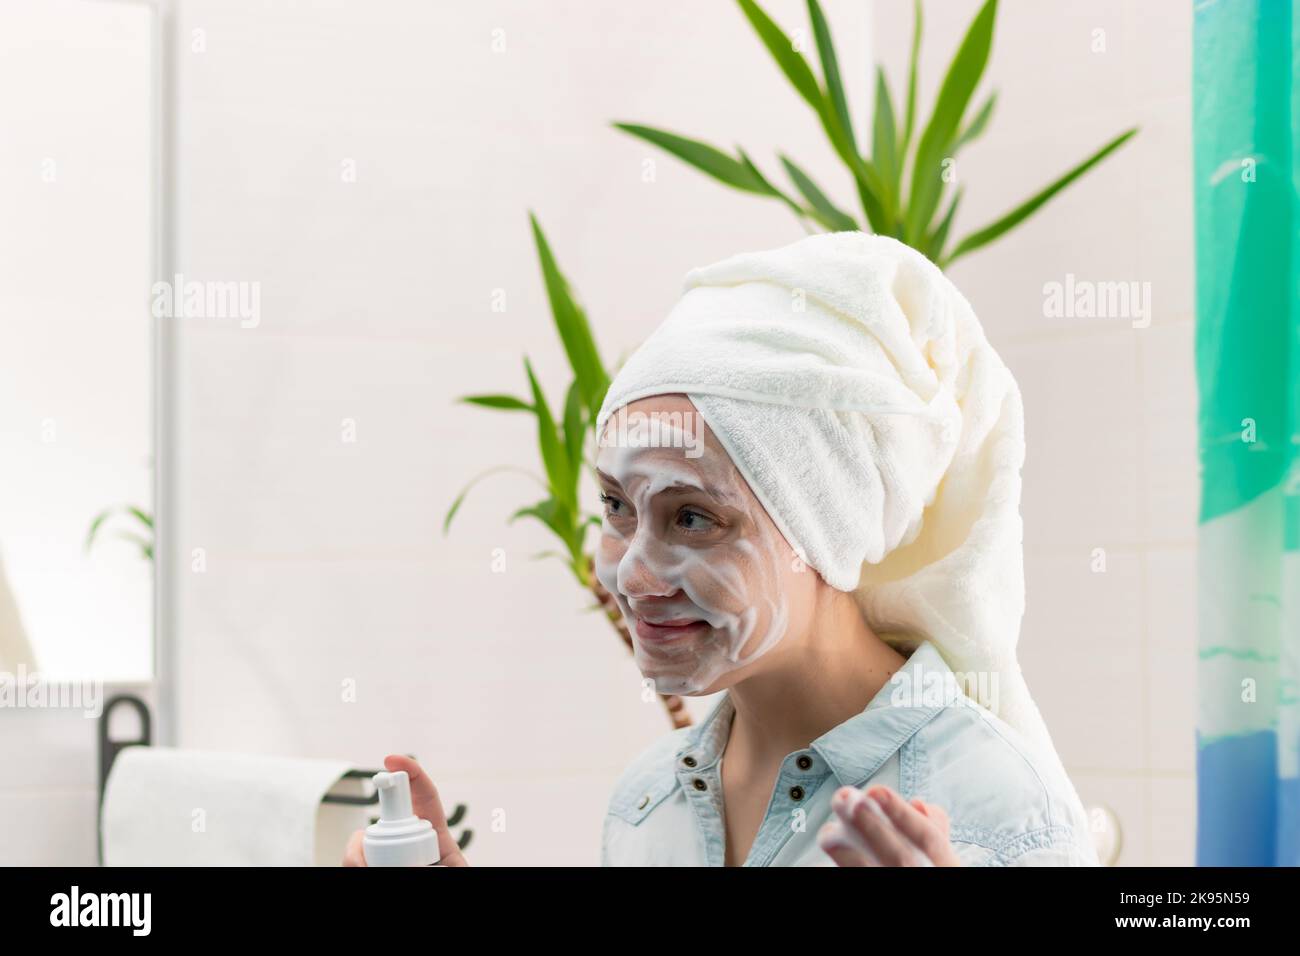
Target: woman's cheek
[754, 595]
[715, 580]
[609, 554]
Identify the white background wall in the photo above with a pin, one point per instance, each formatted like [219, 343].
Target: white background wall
[325, 561]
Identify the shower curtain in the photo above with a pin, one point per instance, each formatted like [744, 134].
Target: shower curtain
[1246, 134]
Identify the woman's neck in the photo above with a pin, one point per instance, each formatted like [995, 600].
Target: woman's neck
[808, 689]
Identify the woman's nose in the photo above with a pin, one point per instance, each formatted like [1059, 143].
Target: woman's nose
[638, 577]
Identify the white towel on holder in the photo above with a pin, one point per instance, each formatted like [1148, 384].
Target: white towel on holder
[170, 807]
[854, 388]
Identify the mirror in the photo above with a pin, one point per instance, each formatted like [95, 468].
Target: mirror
[76, 340]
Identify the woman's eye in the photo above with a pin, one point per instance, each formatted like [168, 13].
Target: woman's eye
[612, 504]
[691, 520]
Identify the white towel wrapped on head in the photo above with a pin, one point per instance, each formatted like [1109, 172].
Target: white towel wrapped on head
[854, 389]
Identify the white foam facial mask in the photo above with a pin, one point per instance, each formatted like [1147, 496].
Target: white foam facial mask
[711, 555]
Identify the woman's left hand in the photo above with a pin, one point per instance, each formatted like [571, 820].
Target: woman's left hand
[899, 834]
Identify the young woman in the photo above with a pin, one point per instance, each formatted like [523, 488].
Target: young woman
[810, 483]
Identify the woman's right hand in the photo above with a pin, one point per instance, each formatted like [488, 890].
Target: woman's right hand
[427, 806]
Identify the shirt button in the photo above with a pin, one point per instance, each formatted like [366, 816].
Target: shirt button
[796, 793]
[644, 801]
[689, 761]
[700, 784]
[804, 762]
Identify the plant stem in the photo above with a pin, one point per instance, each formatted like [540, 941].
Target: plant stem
[675, 706]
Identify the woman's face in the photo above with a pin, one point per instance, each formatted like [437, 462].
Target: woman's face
[706, 581]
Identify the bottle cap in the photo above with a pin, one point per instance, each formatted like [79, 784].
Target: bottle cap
[400, 838]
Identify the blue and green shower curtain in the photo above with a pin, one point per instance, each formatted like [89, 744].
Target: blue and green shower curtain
[1247, 159]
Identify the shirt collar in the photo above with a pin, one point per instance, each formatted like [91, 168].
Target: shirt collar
[855, 749]
[706, 740]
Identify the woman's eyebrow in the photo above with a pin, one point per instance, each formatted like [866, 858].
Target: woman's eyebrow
[685, 488]
[676, 488]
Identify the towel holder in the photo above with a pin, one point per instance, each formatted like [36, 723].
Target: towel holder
[109, 748]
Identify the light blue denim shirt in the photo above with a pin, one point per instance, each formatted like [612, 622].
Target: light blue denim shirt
[1008, 807]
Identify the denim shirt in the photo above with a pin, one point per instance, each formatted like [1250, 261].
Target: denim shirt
[1007, 806]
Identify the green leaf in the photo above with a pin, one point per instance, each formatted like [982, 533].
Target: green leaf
[869, 178]
[573, 327]
[958, 86]
[460, 498]
[1027, 208]
[790, 60]
[544, 511]
[869, 197]
[557, 516]
[707, 159]
[831, 69]
[550, 513]
[797, 71]
[95, 524]
[934, 247]
[740, 173]
[911, 81]
[145, 546]
[507, 402]
[558, 472]
[884, 141]
[574, 428]
[794, 206]
[827, 212]
[977, 125]
[538, 556]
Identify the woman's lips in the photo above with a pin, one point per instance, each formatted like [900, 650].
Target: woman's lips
[667, 630]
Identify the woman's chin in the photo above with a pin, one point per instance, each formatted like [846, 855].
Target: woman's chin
[682, 683]
[668, 679]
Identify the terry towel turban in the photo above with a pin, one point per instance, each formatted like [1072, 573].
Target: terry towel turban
[854, 389]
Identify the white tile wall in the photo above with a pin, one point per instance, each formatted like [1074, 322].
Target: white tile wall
[49, 780]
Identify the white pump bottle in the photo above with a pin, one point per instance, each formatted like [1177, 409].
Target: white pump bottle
[400, 838]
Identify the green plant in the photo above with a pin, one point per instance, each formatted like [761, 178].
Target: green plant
[902, 180]
[142, 538]
[561, 442]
